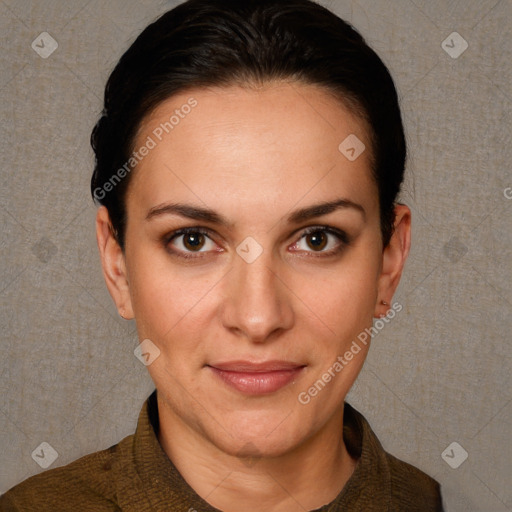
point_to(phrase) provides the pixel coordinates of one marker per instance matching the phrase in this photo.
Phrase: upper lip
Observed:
(249, 366)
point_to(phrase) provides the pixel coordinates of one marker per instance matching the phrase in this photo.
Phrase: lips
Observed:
(257, 378)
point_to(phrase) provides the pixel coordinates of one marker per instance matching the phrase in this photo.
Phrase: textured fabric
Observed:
(136, 475)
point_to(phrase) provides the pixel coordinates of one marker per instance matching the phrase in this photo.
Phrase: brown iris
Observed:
(193, 241)
(317, 240)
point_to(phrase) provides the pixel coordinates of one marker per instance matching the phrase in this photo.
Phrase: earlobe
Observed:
(393, 259)
(113, 264)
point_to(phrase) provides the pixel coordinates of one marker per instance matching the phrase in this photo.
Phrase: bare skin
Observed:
(254, 156)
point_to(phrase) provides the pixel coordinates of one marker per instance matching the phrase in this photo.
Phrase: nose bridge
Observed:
(256, 303)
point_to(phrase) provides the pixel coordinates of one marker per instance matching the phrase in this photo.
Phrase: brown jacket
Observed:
(136, 475)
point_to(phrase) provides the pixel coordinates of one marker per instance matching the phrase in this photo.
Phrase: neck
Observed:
(310, 476)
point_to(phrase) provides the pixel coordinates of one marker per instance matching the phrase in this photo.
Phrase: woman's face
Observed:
(278, 273)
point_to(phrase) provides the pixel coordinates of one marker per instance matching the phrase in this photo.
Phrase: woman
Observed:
(248, 162)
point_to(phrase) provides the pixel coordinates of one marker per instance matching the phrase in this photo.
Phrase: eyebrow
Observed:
(207, 215)
(320, 209)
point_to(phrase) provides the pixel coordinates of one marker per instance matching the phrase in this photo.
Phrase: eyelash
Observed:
(341, 235)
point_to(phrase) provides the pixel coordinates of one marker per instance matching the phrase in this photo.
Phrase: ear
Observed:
(393, 259)
(113, 264)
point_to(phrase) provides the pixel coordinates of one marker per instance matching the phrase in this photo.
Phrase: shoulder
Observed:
(90, 482)
(411, 488)
(397, 484)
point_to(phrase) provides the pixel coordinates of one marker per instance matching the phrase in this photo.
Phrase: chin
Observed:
(261, 437)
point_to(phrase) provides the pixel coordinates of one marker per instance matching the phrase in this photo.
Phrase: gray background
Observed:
(438, 373)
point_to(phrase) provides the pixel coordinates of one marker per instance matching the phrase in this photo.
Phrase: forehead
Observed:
(229, 143)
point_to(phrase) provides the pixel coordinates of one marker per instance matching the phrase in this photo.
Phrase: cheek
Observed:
(344, 298)
(338, 315)
(165, 297)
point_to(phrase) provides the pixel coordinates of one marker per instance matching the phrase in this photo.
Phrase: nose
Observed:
(257, 304)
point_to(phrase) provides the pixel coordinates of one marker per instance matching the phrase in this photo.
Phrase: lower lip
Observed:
(258, 383)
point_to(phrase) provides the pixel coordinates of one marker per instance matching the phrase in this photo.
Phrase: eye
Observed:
(323, 240)
(190, 240)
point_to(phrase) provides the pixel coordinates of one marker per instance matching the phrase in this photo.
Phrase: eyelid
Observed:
(167, 239)
(343, 240)
(342, 236)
